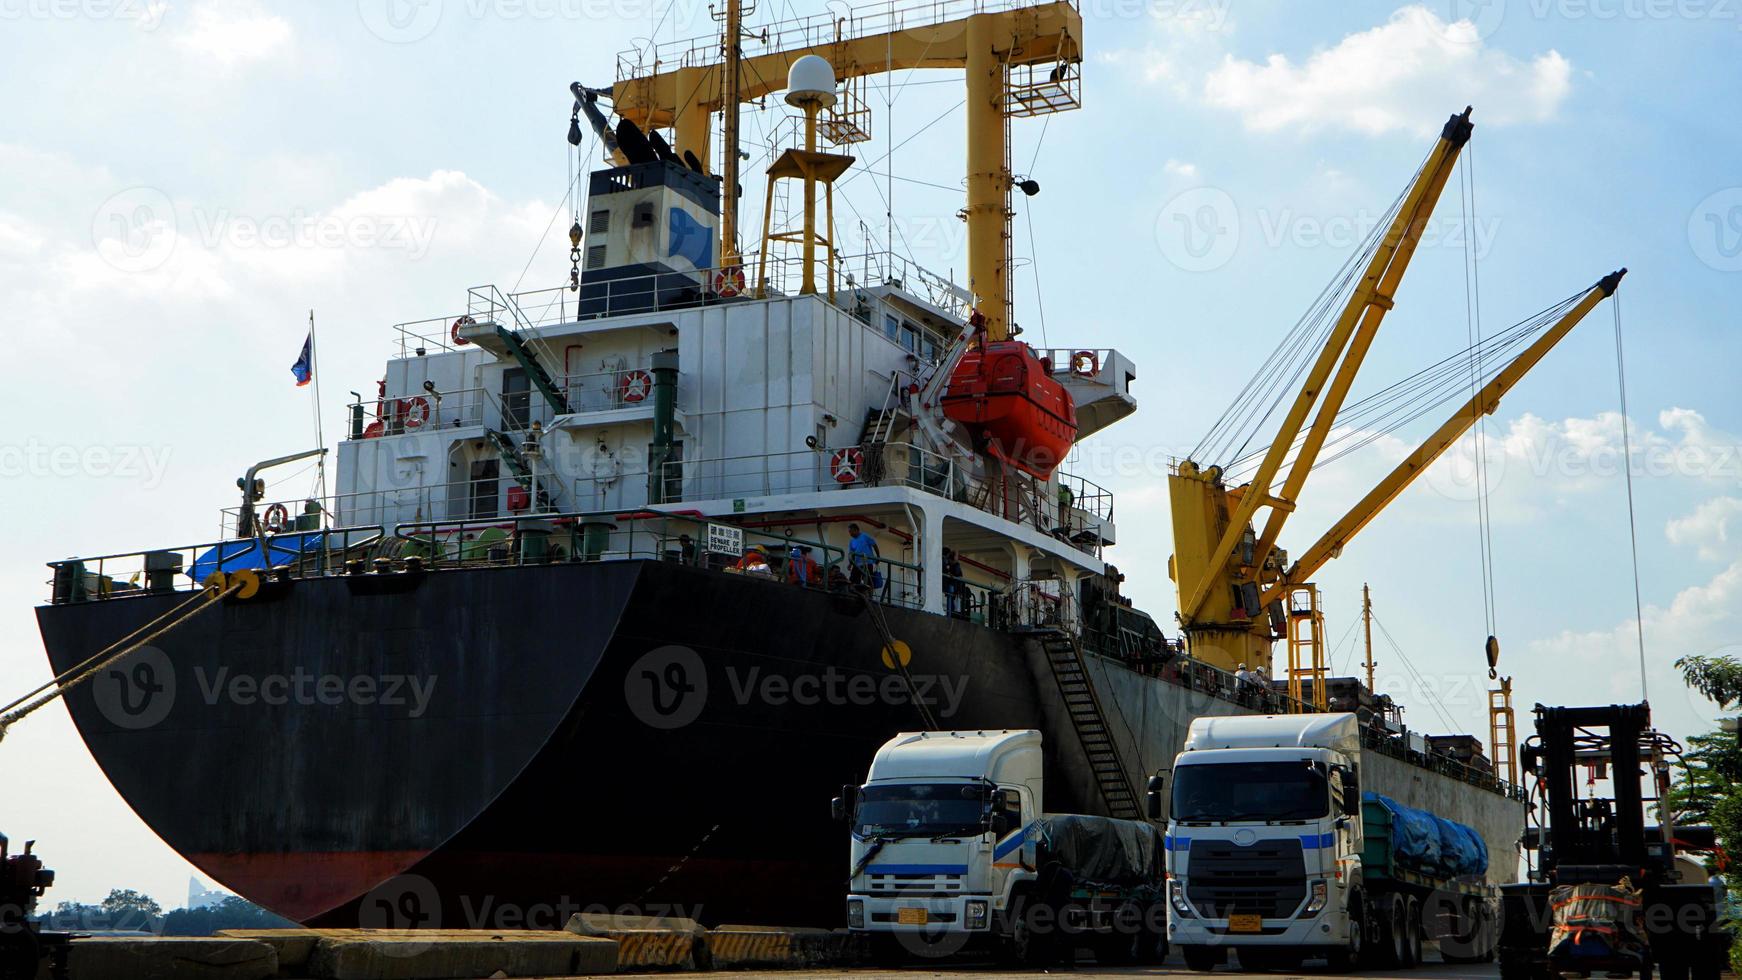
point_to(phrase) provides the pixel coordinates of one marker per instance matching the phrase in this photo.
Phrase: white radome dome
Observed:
(811, 79)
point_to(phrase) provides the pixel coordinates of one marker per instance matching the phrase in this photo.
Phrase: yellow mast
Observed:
(988, 46)
(733, 51)
(1367, 627)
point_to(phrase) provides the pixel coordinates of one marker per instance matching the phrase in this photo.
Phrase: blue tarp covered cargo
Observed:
(1416, 840)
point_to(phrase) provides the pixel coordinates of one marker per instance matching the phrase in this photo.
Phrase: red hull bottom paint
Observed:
(302, 885)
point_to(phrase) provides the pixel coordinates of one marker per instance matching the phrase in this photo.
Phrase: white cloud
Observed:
(229, 36)
(1179, 168)
(1707, 529)
(1405, 74)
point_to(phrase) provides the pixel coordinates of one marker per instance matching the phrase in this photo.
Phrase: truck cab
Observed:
(941, 832)
(1264, 840)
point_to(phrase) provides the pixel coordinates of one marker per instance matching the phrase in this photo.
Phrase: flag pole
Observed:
(320, 436)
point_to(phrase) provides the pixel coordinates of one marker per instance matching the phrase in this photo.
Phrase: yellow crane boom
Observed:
(1484, 402)
(1344, 351)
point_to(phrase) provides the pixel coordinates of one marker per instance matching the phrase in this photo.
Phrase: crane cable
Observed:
(91, 666)
(1632, 521)
(1473, 332)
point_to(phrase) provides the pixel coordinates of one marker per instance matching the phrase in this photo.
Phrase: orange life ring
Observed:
(635, 386)
(729, 281)
(276, 518)
(413, 412)
(845, 465)
(1085, 364)
(464, 321)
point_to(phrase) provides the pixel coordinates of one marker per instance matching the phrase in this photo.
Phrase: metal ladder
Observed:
(1065, 657)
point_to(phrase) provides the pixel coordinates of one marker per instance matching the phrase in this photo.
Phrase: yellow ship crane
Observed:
(1019, 60)
(1232, 579)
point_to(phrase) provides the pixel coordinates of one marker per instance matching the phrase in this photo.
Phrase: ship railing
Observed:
(830, 27)
(456, 500)
(185, 567)
(1088, 500)
(886, 464)
(1064, 360)
(427, 411)
(655, 292)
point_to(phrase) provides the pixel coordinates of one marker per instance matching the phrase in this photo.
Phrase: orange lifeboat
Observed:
(1016, 410)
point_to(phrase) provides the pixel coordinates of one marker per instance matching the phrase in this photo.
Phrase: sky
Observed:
(185, 181)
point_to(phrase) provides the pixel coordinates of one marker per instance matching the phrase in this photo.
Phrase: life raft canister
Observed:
(846, 464)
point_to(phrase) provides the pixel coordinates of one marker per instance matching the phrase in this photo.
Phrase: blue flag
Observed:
(304, 368)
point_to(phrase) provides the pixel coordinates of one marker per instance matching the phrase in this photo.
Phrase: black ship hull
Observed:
(499, 747)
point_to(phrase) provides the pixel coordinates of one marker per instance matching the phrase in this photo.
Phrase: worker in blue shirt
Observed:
(862, 557)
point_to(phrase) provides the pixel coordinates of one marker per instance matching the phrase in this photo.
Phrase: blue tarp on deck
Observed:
(280, 549)
(1432, 845)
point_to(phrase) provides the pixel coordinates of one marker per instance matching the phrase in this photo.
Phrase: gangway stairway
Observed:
(1065, 657)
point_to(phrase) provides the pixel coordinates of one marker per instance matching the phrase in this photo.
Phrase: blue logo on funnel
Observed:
(690, 239)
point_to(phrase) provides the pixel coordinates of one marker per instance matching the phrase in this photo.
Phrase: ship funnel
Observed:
(810, 81)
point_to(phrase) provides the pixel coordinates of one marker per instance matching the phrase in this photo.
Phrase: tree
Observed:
(129, 909)
(1718, 678)
(231, 913)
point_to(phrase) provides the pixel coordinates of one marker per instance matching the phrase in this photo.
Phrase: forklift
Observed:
(1608, 896)
(23, 944)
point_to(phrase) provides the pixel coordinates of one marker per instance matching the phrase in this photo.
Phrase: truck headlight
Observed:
(1316, 903)
(1176, 895)
(855, 915)
(974, 912)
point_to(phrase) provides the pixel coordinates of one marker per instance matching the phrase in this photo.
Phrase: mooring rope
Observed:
(95, 664)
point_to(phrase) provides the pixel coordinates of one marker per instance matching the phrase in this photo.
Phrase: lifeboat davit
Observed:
(1017, 411)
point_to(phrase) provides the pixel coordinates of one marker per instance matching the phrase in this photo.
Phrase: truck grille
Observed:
(1267, 878)
(896, 885)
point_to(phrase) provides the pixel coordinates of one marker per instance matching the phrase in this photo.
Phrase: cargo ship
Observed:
(623, 579)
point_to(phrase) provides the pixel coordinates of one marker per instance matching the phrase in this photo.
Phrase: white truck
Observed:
(950, 849)
(1273, 851)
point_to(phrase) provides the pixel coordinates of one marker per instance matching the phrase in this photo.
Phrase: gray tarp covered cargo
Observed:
(1102, 849)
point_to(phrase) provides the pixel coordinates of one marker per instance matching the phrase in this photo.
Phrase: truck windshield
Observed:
(920, 810)
(1249, 791)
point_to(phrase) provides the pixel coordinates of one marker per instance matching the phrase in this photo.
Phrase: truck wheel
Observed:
(1152, 935)
(1390, 939)
(1412, 932)
(1354, 954)
(1031, 944)
(1203, 959)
